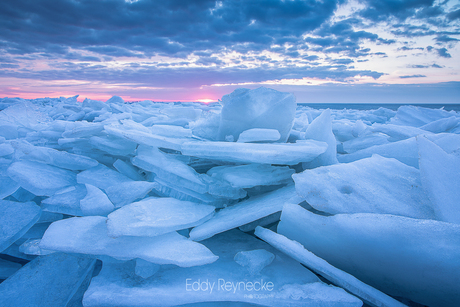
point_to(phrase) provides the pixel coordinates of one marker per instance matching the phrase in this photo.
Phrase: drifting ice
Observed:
(372, 193)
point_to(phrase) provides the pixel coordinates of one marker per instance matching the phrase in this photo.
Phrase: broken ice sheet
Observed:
(401, 256)
(440, 177)
(127, 192)
(50, 280)
(251, 175)
(244, 212)
(372, 185)
(156, 216)
(88, 235)
(8, 268)
(15, 220)
(40, 179)
(95, 202)
(172, 286)
(254, 260)
(259, 135)
(289, 154)
(102, 177)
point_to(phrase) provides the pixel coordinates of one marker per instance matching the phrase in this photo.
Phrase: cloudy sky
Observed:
(189, 50)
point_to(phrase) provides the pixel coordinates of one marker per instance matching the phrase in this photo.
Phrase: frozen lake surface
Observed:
(253, 201)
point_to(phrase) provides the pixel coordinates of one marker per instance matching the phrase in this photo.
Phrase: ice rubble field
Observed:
(191, 203)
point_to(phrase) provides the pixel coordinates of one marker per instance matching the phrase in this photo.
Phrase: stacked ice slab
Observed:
(167, 197)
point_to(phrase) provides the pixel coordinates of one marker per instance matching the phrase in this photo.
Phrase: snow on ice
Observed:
(370, 196)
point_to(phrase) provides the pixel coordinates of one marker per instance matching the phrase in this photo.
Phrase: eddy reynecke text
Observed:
(227, 286)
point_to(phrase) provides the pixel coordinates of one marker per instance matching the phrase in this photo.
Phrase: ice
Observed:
(82, 129)
(144, 138)
(32, 247)
(260, 108)
(156, 216)
(440, 175)
(187, 113)
(243, 212)
(113, 145)
(95, 202)
(128, 170)
(61, 159)
(8, 131)
(102, 177)
(442, 125)
(170, 131)
(173, 286)
(405, 151)
(65, 201)
(7, 186)
(168, 169)
(34, 232)
(289, 154)
(371, 185)
(294, 249)
(8, 268)
(88, 235)
(364, 142)
(40, 179)
(51, 280)
(254, 260)
(145, 269)
(259, 135)
(320, 129)
(6, 149)
(127, 192)
(16, 220)
(251, 175)
(401, 256)
(418, 116)
(397, 132)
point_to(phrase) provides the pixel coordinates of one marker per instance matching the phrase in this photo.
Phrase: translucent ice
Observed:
(65, 201)
(8, 186)
(95, 202)
(418, 116)
(128, 170)
(156, 216)
(127, 192)
(442, 125)
(372, 185)
(8, 268)
(243, 212)
(250, 175)
(145, 269)
(260, 108)
(254, 260)
(440, 174)
(173, 286)
(102, 177)
(88, 235)
(16, 219)
(40, 179)
(259, 135)
(50, 280)
(321, 130)
(401, 256)
(340, 278)
(289, 154)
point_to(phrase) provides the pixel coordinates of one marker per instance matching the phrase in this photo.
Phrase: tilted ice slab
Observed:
(371, 185)
(127, 192)
(442, 125)
(289, 154)
(156, 216)
(244, 212)
(8, 268)
(52, 156)
(440, 174)
(254, 260)
(95, 202)
(397, 132)
(259, 135)
(52, 280)
(40, 179)
(283, 282)
(340, 278)
(145, 138)
(320, 129)
(260, 108)
(102, 177)
(251, 175)
(65, 201)
(401, 256)
(168, 168)
(88, 235)
(419, 116)
(365, 141)
(15, 220)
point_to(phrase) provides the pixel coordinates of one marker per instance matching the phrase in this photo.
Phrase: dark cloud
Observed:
(442, 52)
(453, 15)
(381, 10)
(412, 76)
(445, 39)
(424, 66)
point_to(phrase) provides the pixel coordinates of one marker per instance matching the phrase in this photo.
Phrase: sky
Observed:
(374, 51)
